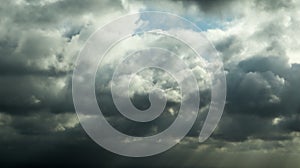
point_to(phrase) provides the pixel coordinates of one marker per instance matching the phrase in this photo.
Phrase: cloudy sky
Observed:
(256, 39)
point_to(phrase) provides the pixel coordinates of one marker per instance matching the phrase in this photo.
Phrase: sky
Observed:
(257, 41)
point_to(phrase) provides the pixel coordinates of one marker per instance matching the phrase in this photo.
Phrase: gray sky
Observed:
(257, 40)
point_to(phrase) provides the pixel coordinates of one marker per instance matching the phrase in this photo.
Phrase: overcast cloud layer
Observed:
(257, 40)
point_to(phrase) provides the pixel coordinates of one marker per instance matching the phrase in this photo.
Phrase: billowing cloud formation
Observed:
(258, 41)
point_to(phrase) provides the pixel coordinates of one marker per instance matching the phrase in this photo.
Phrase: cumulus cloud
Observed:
(257, 40)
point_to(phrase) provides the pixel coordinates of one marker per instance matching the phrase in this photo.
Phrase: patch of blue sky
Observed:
(154, 21)
(157, 21)
(208, 22)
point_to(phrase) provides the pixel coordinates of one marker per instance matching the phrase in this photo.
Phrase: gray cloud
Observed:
(39, 41)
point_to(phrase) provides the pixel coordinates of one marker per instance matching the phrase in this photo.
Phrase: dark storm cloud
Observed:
(261, 89)
(36, 56)
(26, 94)
(209, 5)
(38, 125)
(258, 92)
(274, 5)
(34, 34)
(32, 51)
(46, 13)
(262, 98)
(38, 43)
(213, 5)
